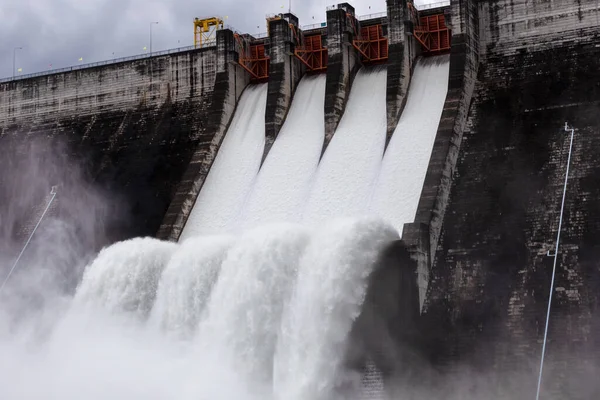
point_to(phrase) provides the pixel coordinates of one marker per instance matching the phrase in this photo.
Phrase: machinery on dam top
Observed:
(368, 36)
(205, 31)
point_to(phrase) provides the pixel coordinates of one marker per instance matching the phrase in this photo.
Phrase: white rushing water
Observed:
(328, 297)
(274, 320)
(187, 283)
(230, 179)
(350, 165)
(243, 308)
(293, 157)
(402, 174)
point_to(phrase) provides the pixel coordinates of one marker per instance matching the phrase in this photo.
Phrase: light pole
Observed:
(14, 58)
(151, 23)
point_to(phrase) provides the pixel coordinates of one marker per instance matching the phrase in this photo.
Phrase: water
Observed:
(243, 307)
(328, 297)
(294, 156)
(231, 177)
(398, 189)
(187, 283)
(350, 165)
(255, 335)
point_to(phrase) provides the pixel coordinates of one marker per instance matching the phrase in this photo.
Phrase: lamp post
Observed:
(14, 58)
(151, 23)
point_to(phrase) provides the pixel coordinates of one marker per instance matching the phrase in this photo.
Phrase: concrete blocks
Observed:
(285, 72)
(402, 50)
(343, 64)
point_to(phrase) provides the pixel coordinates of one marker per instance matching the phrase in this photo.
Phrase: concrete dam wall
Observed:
(136, 125)
(535, 66)
(149, 131)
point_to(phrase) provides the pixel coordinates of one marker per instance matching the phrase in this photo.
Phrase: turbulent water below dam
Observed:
(260, 296)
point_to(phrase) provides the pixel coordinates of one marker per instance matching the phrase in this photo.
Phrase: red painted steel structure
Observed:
(312, 53)
(253, 59)
(433, 34)
(371, 44)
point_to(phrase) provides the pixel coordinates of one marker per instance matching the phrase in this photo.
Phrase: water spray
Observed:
(53, 194)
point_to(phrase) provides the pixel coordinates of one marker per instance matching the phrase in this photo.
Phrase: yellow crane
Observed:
(205, 31)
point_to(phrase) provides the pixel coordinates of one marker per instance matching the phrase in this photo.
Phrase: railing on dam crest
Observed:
(100, 63)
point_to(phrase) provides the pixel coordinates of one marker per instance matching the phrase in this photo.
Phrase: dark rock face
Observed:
(486, 305)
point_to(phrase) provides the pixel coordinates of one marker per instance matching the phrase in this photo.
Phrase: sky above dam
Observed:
(60, 33)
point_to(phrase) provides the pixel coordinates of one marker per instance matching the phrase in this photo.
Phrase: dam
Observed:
(364, 208)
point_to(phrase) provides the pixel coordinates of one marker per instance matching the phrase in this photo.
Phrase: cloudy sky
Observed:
(56, 33)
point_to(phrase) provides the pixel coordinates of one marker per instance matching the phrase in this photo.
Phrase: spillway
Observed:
(351, 163)
(244, 306)
(261, 316)
(294, 155)
(230, 179)
(398, 189)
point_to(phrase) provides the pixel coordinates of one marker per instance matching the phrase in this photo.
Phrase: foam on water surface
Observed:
(284, 181)
(219, 204)
(398, 189)
(350, 165)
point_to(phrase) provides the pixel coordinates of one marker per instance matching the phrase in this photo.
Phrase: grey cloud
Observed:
(59, 32)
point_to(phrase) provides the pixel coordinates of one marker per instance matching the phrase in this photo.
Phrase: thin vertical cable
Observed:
(53, 193)
(562, 207)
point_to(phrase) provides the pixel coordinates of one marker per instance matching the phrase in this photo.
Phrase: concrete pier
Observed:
(285, 72)
(342, 67)
(402, 51)
(464, 63)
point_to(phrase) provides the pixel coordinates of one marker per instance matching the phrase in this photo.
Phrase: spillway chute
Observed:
(219, 204)
(349, 167)
(400, 182)
(294, 155)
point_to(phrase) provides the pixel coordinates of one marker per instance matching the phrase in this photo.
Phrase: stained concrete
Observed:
(485, 309)
(285, 72)
(230, 81)
(342, 66)
(402, 51)
(464, 64)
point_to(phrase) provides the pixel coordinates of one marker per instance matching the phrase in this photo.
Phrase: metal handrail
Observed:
(372, 16)
(433, 5)
(106, 62)
(314, 26)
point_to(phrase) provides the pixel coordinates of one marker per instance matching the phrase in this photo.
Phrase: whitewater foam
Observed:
(351, 163)
(284, 181)
(327, 298)
(219, 204)
(245, 309)
(187, 283)
(277, 318)
(398, 189)
(124, 277)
